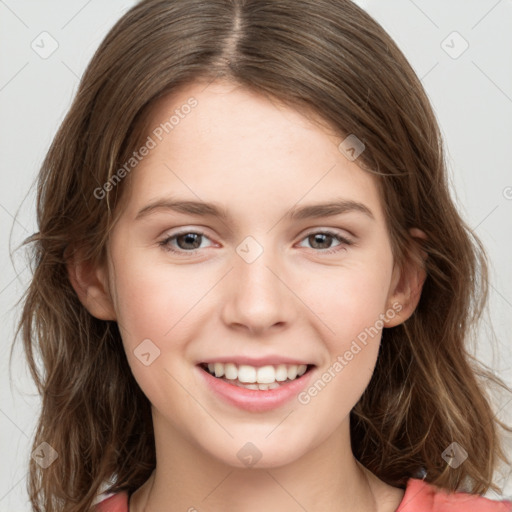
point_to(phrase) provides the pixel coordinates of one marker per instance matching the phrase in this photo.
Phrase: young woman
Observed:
(252, 289)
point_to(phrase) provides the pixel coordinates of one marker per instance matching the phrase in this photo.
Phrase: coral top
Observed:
(419, 496)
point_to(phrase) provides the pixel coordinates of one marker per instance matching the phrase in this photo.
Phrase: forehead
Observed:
(220, 142)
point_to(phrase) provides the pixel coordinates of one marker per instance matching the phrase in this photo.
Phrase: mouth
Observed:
(260, 378)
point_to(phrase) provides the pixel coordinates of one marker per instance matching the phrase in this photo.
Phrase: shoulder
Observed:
(115, 503)
(420, 495)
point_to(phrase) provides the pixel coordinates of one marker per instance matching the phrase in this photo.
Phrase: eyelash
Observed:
(343, 242)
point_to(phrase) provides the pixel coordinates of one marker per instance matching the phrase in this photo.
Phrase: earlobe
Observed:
(91, 286)
(407, 281)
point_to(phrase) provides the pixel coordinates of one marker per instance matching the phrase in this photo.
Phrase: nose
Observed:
(257, 296)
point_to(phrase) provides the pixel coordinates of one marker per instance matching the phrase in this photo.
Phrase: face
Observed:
(269, 283)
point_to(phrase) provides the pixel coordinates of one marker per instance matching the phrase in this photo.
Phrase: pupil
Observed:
(192, 235)
(318, 238)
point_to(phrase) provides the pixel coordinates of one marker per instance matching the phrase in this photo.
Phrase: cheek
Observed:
(351, 315)
(165, 304)
(152, 295)
(351, 306)
(154, 306)
(155, 300)
(350, 299)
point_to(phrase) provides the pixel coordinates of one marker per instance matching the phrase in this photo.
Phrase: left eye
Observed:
(323, 237)
(190, 241)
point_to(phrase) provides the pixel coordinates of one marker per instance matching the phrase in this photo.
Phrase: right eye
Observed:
(183, 238)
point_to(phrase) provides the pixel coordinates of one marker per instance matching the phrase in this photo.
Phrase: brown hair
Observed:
(328, 57)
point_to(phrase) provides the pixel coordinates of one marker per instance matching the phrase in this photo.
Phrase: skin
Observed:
(258, 159)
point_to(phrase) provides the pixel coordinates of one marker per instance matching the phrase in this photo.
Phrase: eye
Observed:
(185, 240)
(323, 238)
(189, 242)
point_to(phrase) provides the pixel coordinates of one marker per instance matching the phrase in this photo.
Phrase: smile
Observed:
(254, 377)
(255, 388)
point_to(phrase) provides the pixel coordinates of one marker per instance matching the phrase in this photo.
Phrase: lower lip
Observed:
(254, 400)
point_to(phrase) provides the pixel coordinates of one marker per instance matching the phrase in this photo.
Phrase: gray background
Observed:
(471, 92)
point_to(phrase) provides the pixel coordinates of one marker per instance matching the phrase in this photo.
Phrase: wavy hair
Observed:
(323, 57)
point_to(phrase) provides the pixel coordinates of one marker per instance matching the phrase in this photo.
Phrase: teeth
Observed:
(263, 377)
(247, 374)
(281, 373)
(292, 372)
(261, 387)
(219, 369)
(230, 371)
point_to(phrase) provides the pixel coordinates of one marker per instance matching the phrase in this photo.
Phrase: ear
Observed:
(91, 285)
(407, 282)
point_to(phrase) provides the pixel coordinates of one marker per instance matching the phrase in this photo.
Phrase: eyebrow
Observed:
(203, 209)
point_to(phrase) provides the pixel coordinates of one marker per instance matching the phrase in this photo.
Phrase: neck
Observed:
(327, 478)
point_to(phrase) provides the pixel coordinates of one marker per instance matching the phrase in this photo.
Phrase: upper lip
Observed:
(256, 361)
